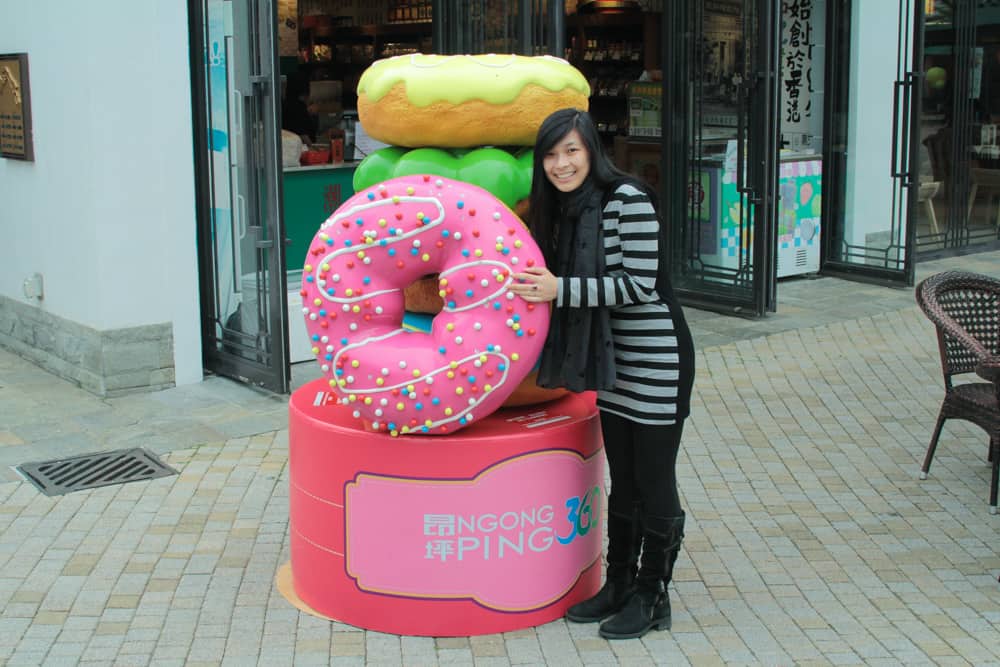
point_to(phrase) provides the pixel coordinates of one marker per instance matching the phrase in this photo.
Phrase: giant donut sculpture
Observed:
(482, 344)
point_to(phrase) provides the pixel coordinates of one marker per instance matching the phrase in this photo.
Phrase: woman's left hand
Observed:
(535, 285)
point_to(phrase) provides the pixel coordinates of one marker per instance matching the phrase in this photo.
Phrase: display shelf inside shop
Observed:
(612, 50)
(342, 53)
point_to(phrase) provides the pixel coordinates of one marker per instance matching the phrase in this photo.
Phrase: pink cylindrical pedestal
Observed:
(494, 528)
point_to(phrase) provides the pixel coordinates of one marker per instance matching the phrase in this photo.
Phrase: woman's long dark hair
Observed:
(543, 214)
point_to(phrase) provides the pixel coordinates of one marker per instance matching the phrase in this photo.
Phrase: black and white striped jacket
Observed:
(648, 360)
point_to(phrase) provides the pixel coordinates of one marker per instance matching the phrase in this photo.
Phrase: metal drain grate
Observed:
(89, 471)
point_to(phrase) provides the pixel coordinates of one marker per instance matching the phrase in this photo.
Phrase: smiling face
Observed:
(567, 163)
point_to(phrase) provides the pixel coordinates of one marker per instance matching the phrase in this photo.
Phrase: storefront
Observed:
(791, 144)
(266, 188)
(740, 157)
(804, 136)
(834, 136)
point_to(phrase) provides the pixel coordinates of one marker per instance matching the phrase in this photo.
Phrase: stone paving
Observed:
(810, 538)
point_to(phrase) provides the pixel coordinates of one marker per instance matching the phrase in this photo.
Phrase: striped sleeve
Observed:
(631, 231)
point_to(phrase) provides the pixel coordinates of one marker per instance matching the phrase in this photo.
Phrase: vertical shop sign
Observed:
(796, 66)
(15, 108)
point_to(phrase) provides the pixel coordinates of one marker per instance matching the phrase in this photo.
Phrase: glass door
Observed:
(720, 122)
(959, 179)
(234, 66)
(871, 158)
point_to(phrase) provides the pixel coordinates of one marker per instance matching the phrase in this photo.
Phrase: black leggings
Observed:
(642, 460)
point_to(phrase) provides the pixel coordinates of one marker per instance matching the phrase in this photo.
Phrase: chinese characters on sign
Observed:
(801, 74)
(15, 110)
(797, 59)
(331, 198)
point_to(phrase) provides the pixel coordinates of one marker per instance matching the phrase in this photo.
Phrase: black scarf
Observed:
(579, 352)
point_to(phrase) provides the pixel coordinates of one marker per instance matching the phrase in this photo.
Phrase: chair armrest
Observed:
(989, 369)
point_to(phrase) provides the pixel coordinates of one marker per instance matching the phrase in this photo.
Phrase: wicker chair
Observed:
(965, 308)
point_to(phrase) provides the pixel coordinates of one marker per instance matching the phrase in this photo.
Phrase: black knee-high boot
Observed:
(624, 542)
(649, 606)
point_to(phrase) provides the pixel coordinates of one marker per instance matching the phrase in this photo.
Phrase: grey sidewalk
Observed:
(810, 539)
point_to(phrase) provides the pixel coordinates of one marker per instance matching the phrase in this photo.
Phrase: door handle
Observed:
(241, 218)
(236, 148)
(901, 91)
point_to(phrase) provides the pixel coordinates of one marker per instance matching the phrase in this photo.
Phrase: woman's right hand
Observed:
(535, 284)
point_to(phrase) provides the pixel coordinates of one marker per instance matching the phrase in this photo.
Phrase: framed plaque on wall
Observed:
(15, 108)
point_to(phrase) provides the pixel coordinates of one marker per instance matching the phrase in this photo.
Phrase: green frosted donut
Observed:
(497, 171)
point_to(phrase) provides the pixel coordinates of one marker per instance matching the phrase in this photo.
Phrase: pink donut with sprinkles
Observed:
(481, 345)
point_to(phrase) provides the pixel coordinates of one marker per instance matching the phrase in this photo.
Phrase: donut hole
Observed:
(422, 295)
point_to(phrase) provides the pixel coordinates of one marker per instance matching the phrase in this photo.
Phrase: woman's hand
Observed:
(535, 284)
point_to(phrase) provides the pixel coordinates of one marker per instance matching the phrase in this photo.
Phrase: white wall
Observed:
(873, 71)
(106, 212)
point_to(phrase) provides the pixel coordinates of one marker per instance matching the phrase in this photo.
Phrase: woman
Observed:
(616, 328)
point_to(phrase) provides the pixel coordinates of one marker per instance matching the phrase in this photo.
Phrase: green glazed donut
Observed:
(506, 177)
